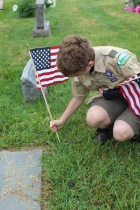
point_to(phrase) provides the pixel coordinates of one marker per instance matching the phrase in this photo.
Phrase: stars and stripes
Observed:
(131, 91)
(45, 63)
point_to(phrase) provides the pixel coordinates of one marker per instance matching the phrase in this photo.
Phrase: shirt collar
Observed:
(98, 62)
(92, 69)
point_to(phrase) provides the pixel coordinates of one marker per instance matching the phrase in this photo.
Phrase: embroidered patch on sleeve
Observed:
(130, 65)
(109, 74)
(123, 58)
(114, 80)
(129, 68)
(112, 53)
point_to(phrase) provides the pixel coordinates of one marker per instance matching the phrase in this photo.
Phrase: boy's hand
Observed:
(102, 89)
(55, 125)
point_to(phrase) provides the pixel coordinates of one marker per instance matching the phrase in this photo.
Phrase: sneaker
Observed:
(135, 139)
(102, 138)
(104, 135)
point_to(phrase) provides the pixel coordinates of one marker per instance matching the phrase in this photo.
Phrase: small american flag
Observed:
(45, 63)
(131, 91)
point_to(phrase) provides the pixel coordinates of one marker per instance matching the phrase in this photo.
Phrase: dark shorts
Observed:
(118, 109)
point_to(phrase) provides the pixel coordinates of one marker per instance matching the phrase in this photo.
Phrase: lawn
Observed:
(78, 173)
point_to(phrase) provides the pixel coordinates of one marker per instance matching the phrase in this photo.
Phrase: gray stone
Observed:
(40, 16)
(1, 4)
(46, 32)
(131, 4)
(42, 28)
(20, 185)
(29, 85)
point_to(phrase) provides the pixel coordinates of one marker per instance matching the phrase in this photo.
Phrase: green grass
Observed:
(78, 174)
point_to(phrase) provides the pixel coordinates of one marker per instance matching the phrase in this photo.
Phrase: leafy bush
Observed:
(136, 2)
(26, 8)
(48, 3)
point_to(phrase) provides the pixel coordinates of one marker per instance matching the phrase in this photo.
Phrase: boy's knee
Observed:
(122, 131)
(90, 118)
(94, 117)
(120, 134)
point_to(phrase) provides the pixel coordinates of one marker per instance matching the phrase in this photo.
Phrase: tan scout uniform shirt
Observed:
(107, 72)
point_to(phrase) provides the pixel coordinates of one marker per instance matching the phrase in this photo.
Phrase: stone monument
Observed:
(20, 185)
(131, 4)
(29, 84)
(1, 4)
(42, 27)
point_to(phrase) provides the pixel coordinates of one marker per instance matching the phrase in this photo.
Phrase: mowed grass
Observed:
(78, 173)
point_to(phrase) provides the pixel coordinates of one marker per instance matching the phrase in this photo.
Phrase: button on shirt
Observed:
(107, 72)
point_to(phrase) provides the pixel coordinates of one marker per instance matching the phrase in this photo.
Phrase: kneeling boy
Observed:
(98, 68)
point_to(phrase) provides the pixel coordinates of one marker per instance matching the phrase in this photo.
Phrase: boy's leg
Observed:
(98, 117)
(126, 126)
(104, 112)
(122, 131)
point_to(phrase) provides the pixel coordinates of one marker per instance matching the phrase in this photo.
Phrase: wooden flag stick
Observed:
(41, 88)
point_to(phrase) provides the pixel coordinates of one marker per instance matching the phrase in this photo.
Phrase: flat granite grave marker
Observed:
(20, 186)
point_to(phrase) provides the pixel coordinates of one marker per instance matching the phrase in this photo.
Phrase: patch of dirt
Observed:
(115, 14)
(86, 21)
(27, 148)
(21, 57)
(74, 9)
(3, 24)
(46, 191)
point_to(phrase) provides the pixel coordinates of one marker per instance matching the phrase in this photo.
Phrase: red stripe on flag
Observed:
(131, 101)
(133, 98)
(53, 66)
(55, 47)
(127, 97)
(51, 78)
(48, 73)
(52, 54)
(53, 60)
(138, 96)
(51, 83)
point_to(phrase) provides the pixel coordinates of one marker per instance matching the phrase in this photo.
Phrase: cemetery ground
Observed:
(78, 173)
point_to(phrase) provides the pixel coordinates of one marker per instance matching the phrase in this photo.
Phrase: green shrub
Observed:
(47, 3)
(26, 8)
(136, 2)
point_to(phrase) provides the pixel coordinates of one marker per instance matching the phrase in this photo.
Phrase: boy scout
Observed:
(99, 68)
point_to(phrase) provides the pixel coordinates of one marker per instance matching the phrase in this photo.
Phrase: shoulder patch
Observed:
(123, 58)
(112, 53)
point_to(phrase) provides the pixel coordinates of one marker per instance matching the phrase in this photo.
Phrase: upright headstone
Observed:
(40, 15)
(1, 4)
(29, 84)
(131, 4)
(42, 27)
(20, 185)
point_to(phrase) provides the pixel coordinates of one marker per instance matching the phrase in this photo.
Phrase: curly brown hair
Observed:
(74, 54)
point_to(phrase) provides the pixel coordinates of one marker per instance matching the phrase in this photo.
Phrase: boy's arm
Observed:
(110, 93)
(72, 107)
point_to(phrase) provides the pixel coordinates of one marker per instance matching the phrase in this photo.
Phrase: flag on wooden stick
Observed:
(45, 63)
(130, 89)
(40, 65)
